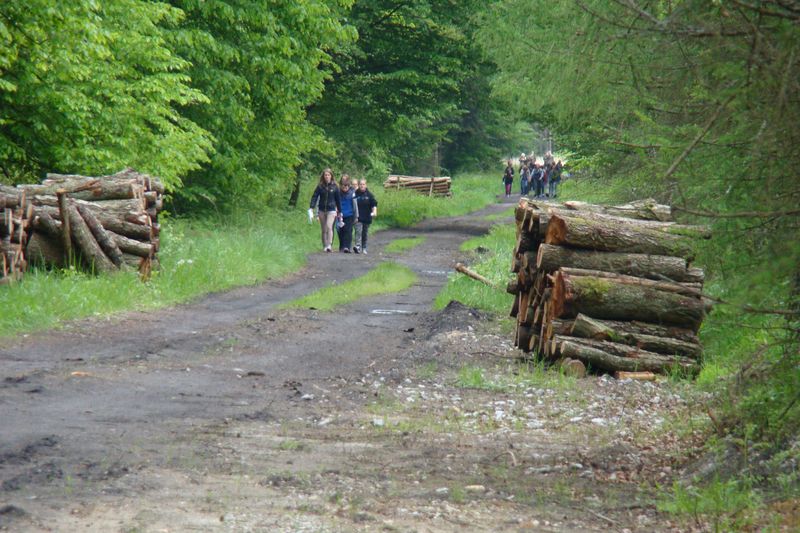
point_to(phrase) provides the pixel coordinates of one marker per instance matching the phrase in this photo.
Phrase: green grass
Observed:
(494, 265)
(730, 505)
(385, 278)
(403, 245)
(212, 254)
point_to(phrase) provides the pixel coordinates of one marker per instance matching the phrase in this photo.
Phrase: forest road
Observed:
(227, 414)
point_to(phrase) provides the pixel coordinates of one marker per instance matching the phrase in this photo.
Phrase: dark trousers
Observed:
(346, 233)
(362, 229)
(539, 188)
(523, 187)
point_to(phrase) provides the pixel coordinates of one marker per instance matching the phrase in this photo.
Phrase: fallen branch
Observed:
(460, 267)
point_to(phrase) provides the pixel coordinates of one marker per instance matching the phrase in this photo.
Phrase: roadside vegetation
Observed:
(403, 245)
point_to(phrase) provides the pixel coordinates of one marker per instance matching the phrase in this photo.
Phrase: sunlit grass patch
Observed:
(385, 278)
(403, 245)
(501, 215)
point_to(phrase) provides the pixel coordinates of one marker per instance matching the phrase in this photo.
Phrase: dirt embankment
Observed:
(226, 415)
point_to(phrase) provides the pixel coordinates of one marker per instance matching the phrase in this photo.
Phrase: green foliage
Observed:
(693, 103)
(385, 278)
(721, 505)
(403, 245)
(471, 377)
(260, 66)
(92, 87)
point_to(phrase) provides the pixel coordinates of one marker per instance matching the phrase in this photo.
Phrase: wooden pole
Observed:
(66, 238)
(474, 275)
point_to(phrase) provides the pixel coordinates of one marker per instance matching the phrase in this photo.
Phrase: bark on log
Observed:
(46, 250)
(103, 238)
(647, 209)
(695, 231)
(638, 376)
(686, 289)
(608, 299)
(590, 328)
(132, 246)
(589, 234)
(658, 267)
(599, 356)
(109, 222)
(66, 223)
(90, 249)
(122, 209)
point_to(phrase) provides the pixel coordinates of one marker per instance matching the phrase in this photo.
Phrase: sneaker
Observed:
(357, 250)
(346, 250)
(364, 251)
(328, 249)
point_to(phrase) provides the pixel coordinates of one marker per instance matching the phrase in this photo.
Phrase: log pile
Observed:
(426, 186)
(612, 287)
(105, 223)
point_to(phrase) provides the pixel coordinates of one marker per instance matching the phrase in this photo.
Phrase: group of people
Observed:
(349, 205)
(540, 178)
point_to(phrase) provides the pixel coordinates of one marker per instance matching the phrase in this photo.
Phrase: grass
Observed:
(403, 245)
(385, 278)
(216, 253)
(494, 265)
(730, 505)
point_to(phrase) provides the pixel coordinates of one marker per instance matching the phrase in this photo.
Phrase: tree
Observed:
(92, 87)
(260, 66)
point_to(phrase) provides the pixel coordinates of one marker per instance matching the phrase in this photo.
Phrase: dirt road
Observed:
(227, 415)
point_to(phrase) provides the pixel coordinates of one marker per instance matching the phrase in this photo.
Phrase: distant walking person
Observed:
(508, 178)
(524, 179)
(367, 209)
(537, 179)
(555, 179)
(349, 211)
(327, 200)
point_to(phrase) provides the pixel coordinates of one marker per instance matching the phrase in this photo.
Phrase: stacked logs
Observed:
(427, 186)
(106, 223)
(611, 287)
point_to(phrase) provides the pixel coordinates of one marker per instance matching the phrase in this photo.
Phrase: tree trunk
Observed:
(90, 249)
(642, 209)
(608, 298)
(45, 249)
(66, 224)
(102, 237)
(132, 246)
(593, 235)
(686, 289)
(109, 222)
(590, 328)
(658, 267)
(599, 354)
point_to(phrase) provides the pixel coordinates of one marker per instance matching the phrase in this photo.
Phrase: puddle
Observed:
(390, 312)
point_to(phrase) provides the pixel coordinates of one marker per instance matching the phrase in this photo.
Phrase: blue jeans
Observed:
(523, 187)
(551, 188)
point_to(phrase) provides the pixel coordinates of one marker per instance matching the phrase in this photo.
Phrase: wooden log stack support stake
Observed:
(105, 223)
(426, 186)
(612, 287)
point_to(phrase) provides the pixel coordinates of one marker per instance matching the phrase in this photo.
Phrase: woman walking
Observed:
(328, 202)
(367, 209)
(349, 212)
(508, 178)
(524, 179)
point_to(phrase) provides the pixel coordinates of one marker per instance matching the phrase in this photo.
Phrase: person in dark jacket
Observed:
(349, 214)
(555, 179)
(329, 204)
(367, 209)
(508, 177)
(524, 179)
(537, 178)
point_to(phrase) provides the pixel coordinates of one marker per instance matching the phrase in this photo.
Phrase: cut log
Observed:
(45, 249)
(90, 250)
(687, 289)
(659, 267)
(647, 209)
(591, 328)
(598, 354)
(66, 223)
(512, 287)
(638, 376)
(110, 222)
(460, 267)
(122, 209)
(102, 237)
(590, 234)
(608, 299)
(524, 337)
(696, 231)
(132, 246)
